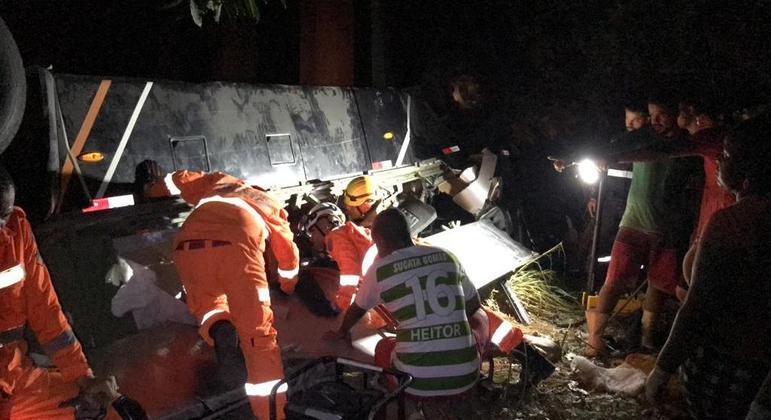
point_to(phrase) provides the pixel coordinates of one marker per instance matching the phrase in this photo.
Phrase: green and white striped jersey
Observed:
(425, 290)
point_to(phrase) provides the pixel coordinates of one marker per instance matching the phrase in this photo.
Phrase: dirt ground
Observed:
(558, 397)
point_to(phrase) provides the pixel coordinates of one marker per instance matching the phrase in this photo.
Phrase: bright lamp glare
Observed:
(588, 171)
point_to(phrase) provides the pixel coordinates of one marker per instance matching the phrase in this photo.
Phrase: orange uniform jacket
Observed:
(230, 211)
(347, 245)
(224, 192)
(27, 297)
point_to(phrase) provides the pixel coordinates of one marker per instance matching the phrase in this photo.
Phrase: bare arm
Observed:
(472, 305)
(764, 394)
(709, 271)
(645, 146)
(676, 150)
(352, 316)
(366, 299)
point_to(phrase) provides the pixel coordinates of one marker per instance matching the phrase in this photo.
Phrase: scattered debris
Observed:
(555, 314)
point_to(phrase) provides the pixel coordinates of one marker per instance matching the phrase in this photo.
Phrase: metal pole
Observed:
(591, 272)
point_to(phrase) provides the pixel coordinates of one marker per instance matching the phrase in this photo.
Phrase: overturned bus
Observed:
(74, 162)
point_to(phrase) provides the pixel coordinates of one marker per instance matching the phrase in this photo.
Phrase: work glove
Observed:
(96, 394)
(656, 384)
(344, 297)
(288, 285)
(102, 389)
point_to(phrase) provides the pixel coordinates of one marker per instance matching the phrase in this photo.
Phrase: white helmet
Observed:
(320, 210)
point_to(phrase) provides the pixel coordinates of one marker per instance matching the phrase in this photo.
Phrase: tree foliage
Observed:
(231, 10)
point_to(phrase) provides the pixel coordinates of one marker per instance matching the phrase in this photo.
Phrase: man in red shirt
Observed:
(721, 339)
(698, 116)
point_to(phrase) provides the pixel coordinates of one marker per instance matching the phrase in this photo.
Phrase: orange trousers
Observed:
(229, 282)
(37, 395)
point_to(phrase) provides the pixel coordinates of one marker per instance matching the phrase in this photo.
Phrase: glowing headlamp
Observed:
(588, 171)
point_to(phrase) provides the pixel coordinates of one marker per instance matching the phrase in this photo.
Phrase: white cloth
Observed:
(623, 379)
(148, 304)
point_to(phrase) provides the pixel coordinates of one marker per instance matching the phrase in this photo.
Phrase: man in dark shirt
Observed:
(722, 334)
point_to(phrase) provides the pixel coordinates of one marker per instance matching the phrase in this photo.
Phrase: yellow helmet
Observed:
(359, 190)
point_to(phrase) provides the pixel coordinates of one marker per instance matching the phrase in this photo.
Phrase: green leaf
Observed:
(252, 10)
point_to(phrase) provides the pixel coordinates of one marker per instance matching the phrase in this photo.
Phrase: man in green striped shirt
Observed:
(426, 291)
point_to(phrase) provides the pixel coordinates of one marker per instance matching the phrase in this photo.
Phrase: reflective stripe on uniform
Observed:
(349, 280)
(354, 363)
(501, 332)
(12, 276)
(263, 294)
(369, 259)
(210, 314)
(63, 340)
(263, 389)
(288, 274)
(11, 335)
(619, 173)
(321, 415)
(238, 202)
(170, 185)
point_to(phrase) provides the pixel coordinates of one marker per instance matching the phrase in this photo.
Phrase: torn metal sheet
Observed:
(486, 252)
(473, 197)
(383, 118)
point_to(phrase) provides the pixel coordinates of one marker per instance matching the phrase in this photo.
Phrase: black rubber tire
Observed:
(13, 87)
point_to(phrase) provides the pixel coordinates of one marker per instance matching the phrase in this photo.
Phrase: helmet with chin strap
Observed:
(321, 210)
(360, 190)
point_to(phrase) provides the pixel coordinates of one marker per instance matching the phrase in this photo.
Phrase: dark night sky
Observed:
(139, 38)
(580, 56)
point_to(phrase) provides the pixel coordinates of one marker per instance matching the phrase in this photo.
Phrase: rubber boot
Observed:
(648, 331)
(231, 367)
(595, 325)
(535, 367)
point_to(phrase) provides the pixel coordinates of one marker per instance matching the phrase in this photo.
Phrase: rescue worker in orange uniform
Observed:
(219, 257)
(28, 299)
(349, 243)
